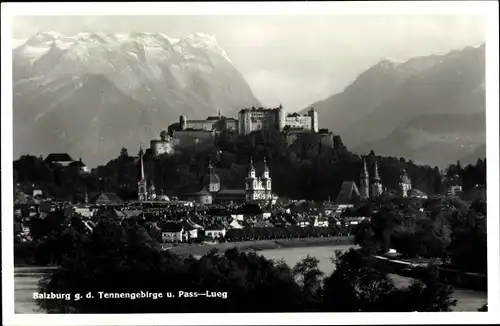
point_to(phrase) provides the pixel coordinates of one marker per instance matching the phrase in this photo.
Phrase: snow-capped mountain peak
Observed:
(41, 43)
(117, 89)
(204, 41)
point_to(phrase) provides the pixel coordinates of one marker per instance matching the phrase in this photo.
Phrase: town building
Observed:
(215, 231)
(258, 188)
(107, 198)
(348, 195)
(201, 197)
(151, 192)
(172, 232)
(163, 145)
(254, 119)
(193, 140)
(82, 167)
(214, 123)
(416, 193)
(453, 185)
(59, 158)
(404, 184)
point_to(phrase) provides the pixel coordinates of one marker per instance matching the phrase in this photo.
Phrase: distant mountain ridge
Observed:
(92, 93)
(414, 108)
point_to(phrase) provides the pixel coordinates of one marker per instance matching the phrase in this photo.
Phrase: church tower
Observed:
(142, 185)
(377, 182)
(266, 181)
(250, 182)
(152, 192)
(404, 184)
(364, 190)
(211, 181)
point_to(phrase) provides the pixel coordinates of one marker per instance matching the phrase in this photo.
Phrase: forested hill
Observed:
(308, 169)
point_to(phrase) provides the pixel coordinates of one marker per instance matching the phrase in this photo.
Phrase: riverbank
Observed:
(456, 278)
(258, 245)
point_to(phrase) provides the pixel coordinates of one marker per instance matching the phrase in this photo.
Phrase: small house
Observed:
(172, 232)
(215, 231)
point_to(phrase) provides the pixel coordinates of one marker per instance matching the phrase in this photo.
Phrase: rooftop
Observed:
(58, 157)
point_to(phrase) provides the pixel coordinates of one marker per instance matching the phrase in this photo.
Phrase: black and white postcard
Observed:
(250, 163)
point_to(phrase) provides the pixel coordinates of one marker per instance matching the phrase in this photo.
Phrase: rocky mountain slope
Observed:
(429, 109)
(92, 93)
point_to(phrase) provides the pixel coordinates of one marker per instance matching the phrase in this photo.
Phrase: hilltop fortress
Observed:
(275, 119)
(254, 119)
(197, 133)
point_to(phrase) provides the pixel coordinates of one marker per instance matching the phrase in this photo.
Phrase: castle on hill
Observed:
(200, 133)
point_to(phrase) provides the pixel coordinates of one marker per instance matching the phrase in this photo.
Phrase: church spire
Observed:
(266, 169)
(141, 154)
(376, 176)
(251, 168)
(364, 174)
(364, 190)
(377, 182)
(142, 185)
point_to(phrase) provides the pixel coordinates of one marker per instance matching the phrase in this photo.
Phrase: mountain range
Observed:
(428, 109)
(92, 93)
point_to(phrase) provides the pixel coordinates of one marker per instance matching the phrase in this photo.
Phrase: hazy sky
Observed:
(293, 60)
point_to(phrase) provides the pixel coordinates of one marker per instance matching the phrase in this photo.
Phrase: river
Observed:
(26, 278)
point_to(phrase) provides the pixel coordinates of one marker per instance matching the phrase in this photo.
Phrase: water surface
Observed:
(26, 278)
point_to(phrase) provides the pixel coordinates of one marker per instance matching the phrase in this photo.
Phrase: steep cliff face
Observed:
(405, 108)
(92, 93)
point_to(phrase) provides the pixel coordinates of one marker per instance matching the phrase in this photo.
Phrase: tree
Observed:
(355, 285)
(114, 253)
(426, 295)
(359, 285)
(303, 170)
(308, 275)
(123, 152)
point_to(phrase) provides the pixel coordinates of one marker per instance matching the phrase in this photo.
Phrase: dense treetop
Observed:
(307, 169)
(118, 258)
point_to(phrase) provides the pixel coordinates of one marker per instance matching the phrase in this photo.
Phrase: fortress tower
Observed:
(314, 120)
(281, 118)
(183, 122)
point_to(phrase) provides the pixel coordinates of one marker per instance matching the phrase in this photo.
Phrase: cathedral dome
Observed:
(210, 178)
